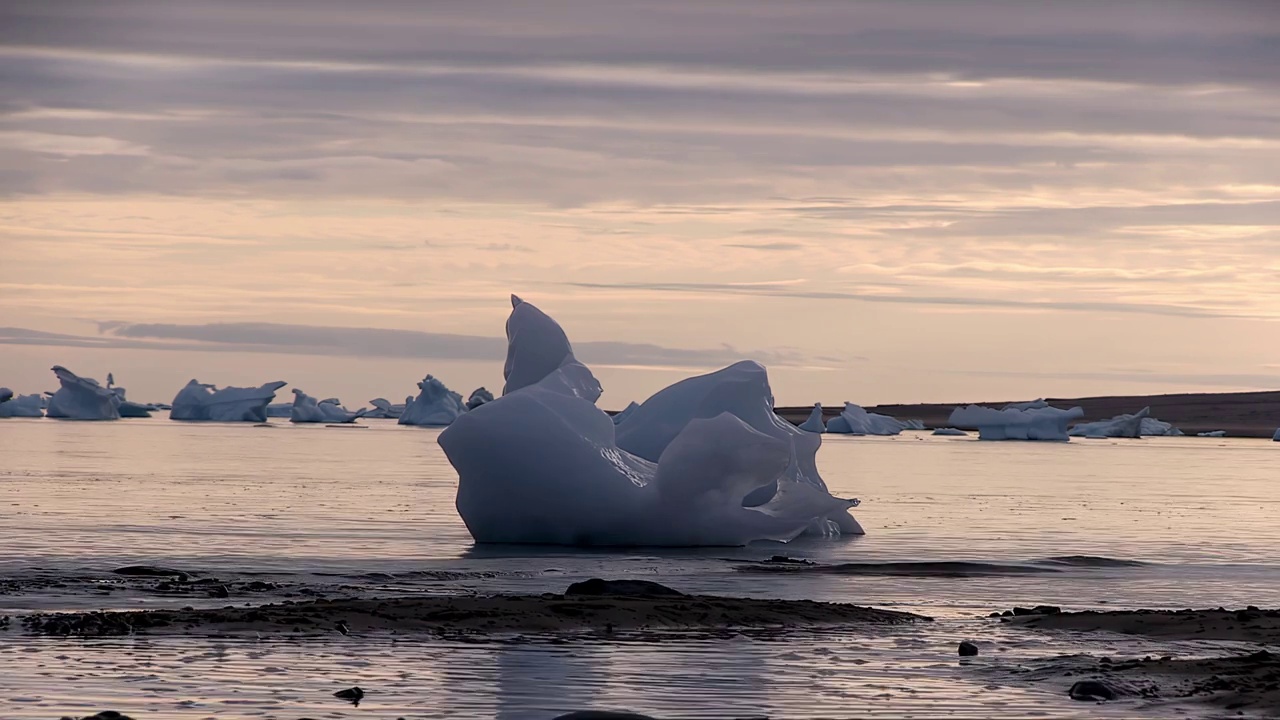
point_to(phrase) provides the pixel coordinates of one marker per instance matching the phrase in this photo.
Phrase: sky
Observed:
(881, 201)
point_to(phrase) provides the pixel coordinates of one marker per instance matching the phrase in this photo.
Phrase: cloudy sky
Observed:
(882, 201)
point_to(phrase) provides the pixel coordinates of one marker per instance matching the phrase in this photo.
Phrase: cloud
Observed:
(377, 342)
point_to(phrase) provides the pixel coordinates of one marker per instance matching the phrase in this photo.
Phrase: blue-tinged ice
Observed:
(543, 464)
(307, 409)
(951, 432)
(478, 397)
(1012, 423)
(854, 420)
(203, 401)
(435, 405)
(814, 423)
(625, 413)
(1139, 424)
(29, 406)
(82, 398)
(1212, 434)
(1276, 437)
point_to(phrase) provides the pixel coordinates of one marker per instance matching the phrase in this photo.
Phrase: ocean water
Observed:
(1160, 522)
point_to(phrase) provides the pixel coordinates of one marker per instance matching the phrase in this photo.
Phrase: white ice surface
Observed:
(1120, 426)
(542, 464)
(21, 406)
(853, 419)
(1039, 423)
(435, 405)
(307, 409)
(813, 423)
(82, 398)
(203, 401)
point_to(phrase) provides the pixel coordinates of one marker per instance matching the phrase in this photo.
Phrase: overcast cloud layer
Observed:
(1038, 199)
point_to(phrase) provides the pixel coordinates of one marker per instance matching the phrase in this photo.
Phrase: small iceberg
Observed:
(625, 412)
(854, 420)
(82, 398)
(951, 432)
(1120, 426)
(28, 406)
(1033, 422)
(813, 423)
(383, 408)
(436, 405)
(128, 408)
(307, 409)
(703, 462)
(479, 396)
(1275, 437)
(1212, 433)
(198, 401)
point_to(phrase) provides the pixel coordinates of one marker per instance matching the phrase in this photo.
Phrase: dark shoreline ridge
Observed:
(1240, 414)
(592, 605)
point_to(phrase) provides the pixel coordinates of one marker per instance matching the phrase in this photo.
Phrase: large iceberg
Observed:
(82, 398)
(435, 405)
(813, 423)
(479, 396)
(543, 464)
(20, 405)
(857, 421)
(1120, 426)
(307, 409)
(1012, 423)
(202, 401)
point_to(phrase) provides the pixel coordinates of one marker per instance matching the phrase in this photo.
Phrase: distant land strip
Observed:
(1239, 414)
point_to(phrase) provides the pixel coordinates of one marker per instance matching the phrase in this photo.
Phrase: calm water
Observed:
(372, 510)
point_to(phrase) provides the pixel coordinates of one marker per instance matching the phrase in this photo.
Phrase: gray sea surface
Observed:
(956, 528)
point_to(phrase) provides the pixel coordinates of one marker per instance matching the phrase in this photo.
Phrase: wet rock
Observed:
(1023, 611)
(1091, 691)
(104, 715)
(354, 694)
(150, 571)
(968, 649)
(627, 588)
(1046, 610)
(783, 559)
(219, 591)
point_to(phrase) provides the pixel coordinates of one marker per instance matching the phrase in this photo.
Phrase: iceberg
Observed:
(1120, 426)
(703, 462)
(279, 410)
(201, 401)
(82, 398)
(1037, 404)
(1212, 433)
(435, 405)
(128, 408)
(853, 420)
(20, 405)
(952, 432)
(1011, 423)
(383, 408)
(307, 409)
(625, 413)
(1276, 437)
(479, 396)
(813, 423)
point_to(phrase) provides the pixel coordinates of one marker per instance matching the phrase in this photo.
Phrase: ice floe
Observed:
(854, 420)
(435, 405)
(29, 406)
(1120, 426)
(1212, 434)
(307, 409)
(952, 432)
(1030, 422)
(703, 462)
(203, 401)
(82, 398)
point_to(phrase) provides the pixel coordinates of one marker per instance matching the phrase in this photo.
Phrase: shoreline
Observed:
(1239, 414)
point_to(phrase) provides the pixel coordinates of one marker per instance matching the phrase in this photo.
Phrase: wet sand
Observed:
(475, 615)
(1243, 682)
(1249, 625)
